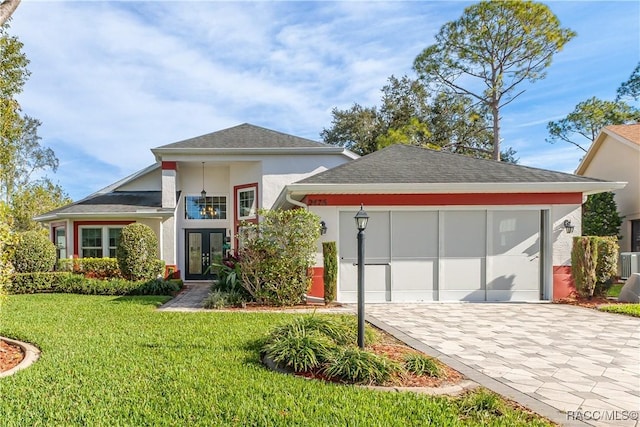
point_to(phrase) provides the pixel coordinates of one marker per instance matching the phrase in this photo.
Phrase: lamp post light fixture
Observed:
(361, 223)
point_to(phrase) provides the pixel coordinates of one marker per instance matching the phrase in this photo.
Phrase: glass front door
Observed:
(204, 247)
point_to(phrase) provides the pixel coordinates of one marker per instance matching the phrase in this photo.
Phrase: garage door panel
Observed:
(377, 237)
(414, 234)
(501, 296)
(514, 233)
(462, 295)
(414, 275)
(376, 280)
(513, 273)
(463, 234)
(462, 274)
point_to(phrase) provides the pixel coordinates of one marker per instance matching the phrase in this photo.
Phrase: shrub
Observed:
(97, 268)
(420, 364)
(138, 253)
(600, 215)
(29, 283)
(330, 275)
(594, 261)
(357, 366)
(222, 299)
(33, 252)
(299, 348)
(6, 254)
(276, 255)
(229, 278)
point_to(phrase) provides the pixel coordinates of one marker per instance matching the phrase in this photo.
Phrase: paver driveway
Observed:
(580, 362)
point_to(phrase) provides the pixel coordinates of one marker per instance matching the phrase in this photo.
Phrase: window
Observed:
(210, 207)
(95, 242)
(60, 240)
(247, 203)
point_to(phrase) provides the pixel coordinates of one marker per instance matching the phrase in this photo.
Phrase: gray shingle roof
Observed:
(409, 164)
(245, 136)
(114, 202)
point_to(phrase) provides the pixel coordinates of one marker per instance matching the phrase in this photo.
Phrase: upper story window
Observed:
(98, 242)
(209, 207)
(247, 203)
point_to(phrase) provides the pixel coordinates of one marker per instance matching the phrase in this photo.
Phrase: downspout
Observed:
(295, 202)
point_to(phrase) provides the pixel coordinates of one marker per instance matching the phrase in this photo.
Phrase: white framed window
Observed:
(247, 203)
(99, 242)
(209, 207)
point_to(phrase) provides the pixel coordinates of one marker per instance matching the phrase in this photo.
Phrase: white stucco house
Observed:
(615, 156)
(443, 226)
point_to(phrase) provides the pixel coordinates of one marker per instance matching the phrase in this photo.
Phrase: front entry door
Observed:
(203, 248)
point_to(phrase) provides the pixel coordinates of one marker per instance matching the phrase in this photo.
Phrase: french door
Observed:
(204, 247)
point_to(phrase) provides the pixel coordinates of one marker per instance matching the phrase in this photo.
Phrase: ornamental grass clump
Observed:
(353, 365)
(420, 364)
(299, 348)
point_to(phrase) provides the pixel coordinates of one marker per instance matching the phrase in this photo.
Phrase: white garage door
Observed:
(452, 255)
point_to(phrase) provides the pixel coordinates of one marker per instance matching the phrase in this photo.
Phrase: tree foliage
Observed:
(493, 48)
(630, 88)
(594, 262)
(410, 114)
(24, 188)
(588, 118)
(276, 255)
(600, 215)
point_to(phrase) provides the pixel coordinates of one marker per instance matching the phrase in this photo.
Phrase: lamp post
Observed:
(361, 223)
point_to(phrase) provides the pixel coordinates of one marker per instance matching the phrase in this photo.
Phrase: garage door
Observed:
(455, 255)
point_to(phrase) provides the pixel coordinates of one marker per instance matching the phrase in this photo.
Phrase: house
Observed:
(615, 156)
(442, 227)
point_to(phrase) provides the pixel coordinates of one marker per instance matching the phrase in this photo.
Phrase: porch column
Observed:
(169, 184)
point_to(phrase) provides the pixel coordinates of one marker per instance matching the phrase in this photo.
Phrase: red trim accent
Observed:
(236, 220)
(563, 285)
(443, 199)
(317, 283)
(76, 234)
(170, 166)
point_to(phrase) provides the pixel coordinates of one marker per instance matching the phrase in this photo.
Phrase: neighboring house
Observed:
(615, 156)
(442, 227)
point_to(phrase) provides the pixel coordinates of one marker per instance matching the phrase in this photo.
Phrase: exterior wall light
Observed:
(568, 226)
(323, 228)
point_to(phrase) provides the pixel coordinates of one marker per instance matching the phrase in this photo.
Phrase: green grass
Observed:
(614, 290)
(628, 309)
(117, 361)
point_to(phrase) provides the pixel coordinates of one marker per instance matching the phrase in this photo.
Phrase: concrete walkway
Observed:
(190, 298)
(574, 365)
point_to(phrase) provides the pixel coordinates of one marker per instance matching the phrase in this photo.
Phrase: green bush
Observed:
(33, 252)
(6, 254)
(420, 364)
(67, 282)
(594, 262)
(299, 348)
(330, 274)
(357, 366)
(276, 256)
(138, 253)
(97, 268)
(223, 299)
(600, 215)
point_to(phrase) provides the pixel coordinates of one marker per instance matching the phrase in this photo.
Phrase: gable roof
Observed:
(625, 134)
(403, 169)
(116, 203)
(245, 136)
(414, 165)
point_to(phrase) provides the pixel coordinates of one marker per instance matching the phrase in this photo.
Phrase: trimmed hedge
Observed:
(96, 268)
(330, 274)
(594, 262)
(138, 253)
(66, 282)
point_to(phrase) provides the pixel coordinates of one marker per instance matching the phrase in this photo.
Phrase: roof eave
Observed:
(151, 213)
(160, 152)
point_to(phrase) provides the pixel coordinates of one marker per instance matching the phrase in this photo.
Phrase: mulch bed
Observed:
(10, 355)
(593, 302)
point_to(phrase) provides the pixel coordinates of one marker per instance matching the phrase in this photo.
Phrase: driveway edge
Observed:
(492, 384)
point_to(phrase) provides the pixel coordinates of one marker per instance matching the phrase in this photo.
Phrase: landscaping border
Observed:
(31, 355)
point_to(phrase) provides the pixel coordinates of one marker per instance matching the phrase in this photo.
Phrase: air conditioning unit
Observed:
(629, 264)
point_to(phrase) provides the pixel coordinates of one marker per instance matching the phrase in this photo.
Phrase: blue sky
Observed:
(111, 80)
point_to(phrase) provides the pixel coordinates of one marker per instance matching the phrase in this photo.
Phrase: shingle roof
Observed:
(408, 164)
(114, 202)
(630, 132)
(245, 136)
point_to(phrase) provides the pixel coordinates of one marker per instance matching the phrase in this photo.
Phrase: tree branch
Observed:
(7, 7)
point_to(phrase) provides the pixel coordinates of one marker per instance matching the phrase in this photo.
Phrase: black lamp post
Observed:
(361, 223)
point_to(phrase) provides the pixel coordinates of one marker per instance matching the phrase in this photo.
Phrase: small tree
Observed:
(600, 215)
(276, 255)
(33, 253)
(138, 253)
(330, 274)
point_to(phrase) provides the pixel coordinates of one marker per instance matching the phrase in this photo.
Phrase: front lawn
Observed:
(116, 361)
(628, 309)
